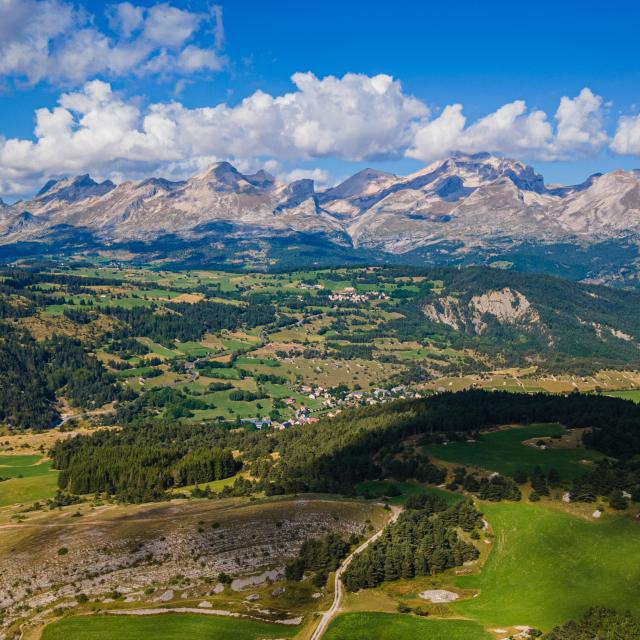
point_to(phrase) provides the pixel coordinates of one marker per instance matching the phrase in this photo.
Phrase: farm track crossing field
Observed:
(503, 451)
(548, 566)
(394, 626)
(164, 627)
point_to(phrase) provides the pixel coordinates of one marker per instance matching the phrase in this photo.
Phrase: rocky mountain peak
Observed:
(262, 179)
(225, 178)
(477, 204)
(486, 167)
(360, 184)
(73, 189)
(294, 194)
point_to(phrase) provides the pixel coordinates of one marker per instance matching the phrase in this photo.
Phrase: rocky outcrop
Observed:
(507, 306)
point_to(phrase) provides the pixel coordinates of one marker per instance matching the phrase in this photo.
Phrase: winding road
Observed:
(338, 588)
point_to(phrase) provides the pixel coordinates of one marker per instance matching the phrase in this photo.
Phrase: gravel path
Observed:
(338, 590)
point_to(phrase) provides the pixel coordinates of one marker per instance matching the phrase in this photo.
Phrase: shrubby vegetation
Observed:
(496, 488)
(610, 478)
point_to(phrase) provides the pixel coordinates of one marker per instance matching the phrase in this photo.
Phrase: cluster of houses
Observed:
(334, 402)
(350, 294)
(304, 285)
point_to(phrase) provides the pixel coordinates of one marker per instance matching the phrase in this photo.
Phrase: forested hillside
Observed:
(423, 542)
(529, 319)
(145, 458)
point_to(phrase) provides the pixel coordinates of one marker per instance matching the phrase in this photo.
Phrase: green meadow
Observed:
(406, 489)
(548, 566)
(23, 466)
(29, 489)
(503, 451)
(394, 626)
(29, 479)
(164, 627)
(631, 394)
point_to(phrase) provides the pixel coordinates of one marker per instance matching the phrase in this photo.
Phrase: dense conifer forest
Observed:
(423, 542)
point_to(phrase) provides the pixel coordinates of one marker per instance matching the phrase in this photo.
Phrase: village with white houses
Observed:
(334, 401)
(348, 294)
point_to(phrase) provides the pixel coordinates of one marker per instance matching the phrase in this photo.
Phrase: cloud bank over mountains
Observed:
(95, 128)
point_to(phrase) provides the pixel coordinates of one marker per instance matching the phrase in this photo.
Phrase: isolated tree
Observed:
(539, 482)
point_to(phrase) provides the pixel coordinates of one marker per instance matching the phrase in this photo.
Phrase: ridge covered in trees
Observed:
(31, 373)
(320, 555)
(334, 455)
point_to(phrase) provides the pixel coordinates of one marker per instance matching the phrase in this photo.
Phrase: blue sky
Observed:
(195, 56)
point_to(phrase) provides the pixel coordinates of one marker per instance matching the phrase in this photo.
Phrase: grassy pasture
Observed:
(395, 626)
(407, 489)
(215, 485)
(196, 349)
(25, 466)
(30, 478)
(29, 489)
(136, 372)
(631, 394)
(158, 349)
(163, 627)
(504, 452)
(548, 566)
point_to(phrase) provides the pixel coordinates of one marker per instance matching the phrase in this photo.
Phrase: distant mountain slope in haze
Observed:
(465, 209)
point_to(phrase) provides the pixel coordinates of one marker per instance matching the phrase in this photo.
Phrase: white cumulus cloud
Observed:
(513, 129)
(580, 124)
(319, 176)
(52, 41)
(626, 139)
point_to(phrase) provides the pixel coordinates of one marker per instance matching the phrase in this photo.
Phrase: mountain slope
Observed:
(531, 318)
(465, 209)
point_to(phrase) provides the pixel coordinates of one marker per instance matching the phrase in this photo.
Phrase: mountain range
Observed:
(467, 209)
